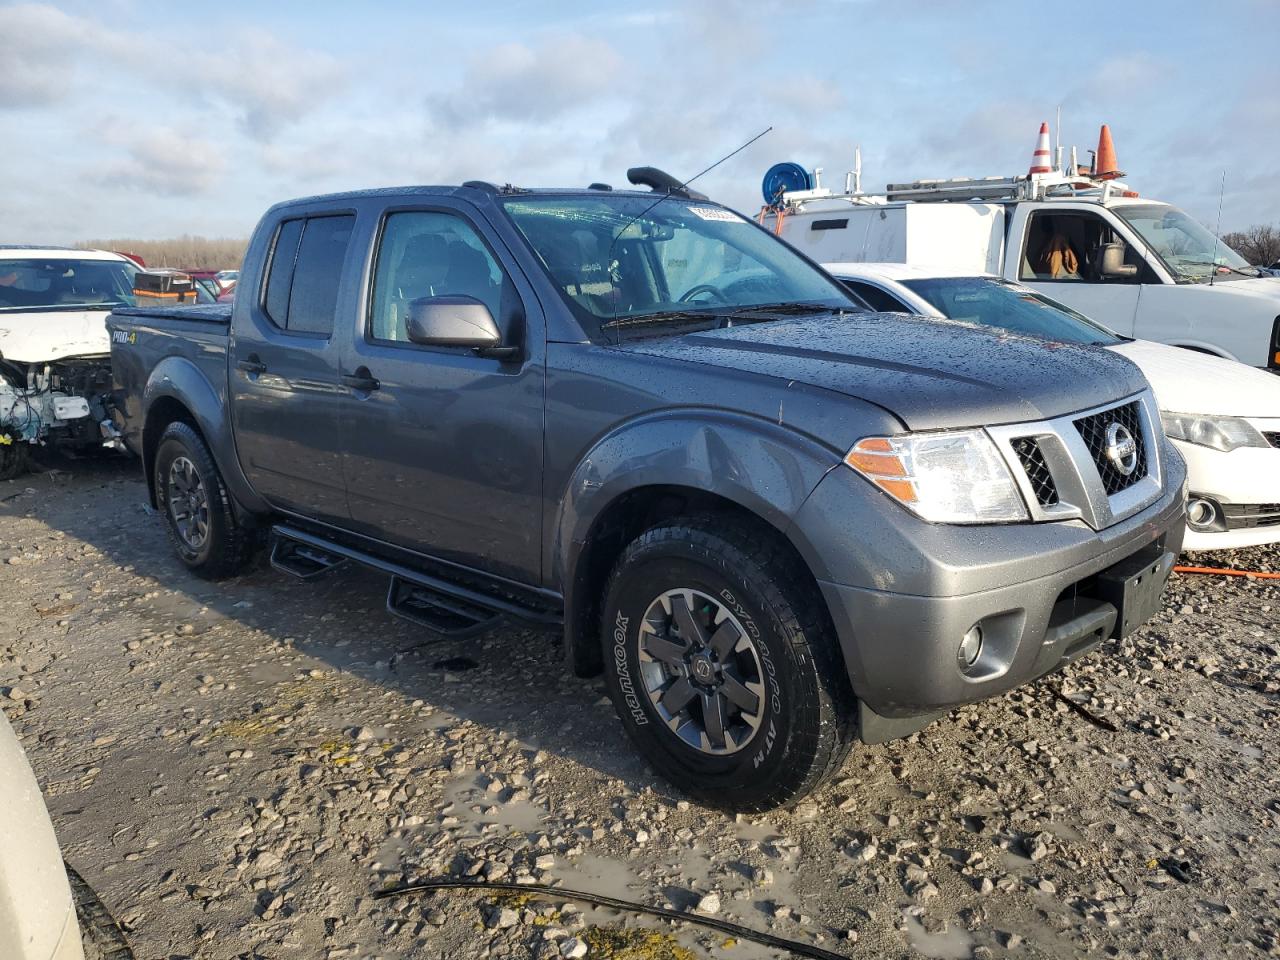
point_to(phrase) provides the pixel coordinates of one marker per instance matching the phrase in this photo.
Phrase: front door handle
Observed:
(361, 381)
(252, 365)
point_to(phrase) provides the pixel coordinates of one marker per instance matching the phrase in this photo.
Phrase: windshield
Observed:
(683, 264)
(65, 284)
(1010, 306)
(1190, 251)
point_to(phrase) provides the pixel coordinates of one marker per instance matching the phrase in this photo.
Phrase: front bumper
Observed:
(1036, 589)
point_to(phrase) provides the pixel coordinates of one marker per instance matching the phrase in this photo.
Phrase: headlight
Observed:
(1220, 433)
(955, 477)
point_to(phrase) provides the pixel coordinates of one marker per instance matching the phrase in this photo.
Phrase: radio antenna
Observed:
(672, 192)
(1217, 233)
(726, 157)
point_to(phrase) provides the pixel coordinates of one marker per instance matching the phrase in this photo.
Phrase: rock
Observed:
(865, 853)
(709, 904)
(573, 948)
(1037, 847)
(502, 918)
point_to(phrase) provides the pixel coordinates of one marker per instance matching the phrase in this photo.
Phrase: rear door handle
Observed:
(252, 365)
(361, 381)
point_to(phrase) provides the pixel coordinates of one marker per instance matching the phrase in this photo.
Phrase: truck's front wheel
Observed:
(721, 663)
(197, 507)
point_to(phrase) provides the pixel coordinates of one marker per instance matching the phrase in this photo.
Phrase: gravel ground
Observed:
(235, 768)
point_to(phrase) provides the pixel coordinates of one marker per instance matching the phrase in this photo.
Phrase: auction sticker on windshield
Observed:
(715, 213)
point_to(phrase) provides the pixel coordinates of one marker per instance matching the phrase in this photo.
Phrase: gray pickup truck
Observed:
(777, 523)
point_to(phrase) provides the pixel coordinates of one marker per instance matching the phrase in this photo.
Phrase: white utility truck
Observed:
(1142, 267)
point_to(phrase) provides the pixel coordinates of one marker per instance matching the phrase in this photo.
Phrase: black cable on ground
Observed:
(1093, 718)
(599, 900)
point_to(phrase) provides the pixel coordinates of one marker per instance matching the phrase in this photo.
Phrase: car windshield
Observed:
(1010, 306)
(65, 284)
(628, 266)
(1190, 251)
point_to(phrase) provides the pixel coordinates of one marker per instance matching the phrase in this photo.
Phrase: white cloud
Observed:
(515, 81)
(268, 83)
(167, 162)
(39, 50)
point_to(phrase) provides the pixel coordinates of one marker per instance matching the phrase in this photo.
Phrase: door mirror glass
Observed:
(1111, 261)
(453, 320)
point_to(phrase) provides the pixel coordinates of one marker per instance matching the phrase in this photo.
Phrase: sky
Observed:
(125, 118)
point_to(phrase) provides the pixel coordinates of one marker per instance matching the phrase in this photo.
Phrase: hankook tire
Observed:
(722, 663)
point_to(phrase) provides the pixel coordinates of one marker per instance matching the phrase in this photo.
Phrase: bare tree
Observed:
(1260, 244)
(185, 252)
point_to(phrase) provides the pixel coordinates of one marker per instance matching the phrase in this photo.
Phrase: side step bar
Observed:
(454, 609)
(438, 611)
(302, 560)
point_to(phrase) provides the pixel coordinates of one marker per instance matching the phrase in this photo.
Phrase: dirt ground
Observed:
(235, 768)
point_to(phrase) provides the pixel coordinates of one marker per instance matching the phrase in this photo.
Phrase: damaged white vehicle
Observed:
(55, 358)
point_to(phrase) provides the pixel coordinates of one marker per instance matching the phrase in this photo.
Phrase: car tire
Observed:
(14, 459)
(711, 606)
(193, 499)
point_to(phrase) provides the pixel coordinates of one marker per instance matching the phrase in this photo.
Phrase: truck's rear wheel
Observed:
(721, 662)
(197, 507)
(14, 458)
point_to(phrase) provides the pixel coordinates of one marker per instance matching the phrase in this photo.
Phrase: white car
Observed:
(1223, 416)
(37, 914)
(55, 358)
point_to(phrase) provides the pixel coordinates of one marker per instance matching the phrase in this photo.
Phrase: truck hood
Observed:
(931, 374)
(44, 335)
(1186, 381)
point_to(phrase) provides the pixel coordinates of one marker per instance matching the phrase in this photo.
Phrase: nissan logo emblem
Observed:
(1122, 449)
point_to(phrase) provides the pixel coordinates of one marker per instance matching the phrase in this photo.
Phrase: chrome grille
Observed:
(1033, 462)
(1273, 439)
(1093, 430)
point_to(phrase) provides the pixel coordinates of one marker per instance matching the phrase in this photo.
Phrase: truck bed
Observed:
(166, 342)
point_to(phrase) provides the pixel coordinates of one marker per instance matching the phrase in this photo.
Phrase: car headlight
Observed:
(1220, 433)
(952, 477)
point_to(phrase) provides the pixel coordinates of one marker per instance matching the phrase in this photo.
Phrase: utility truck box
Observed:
(1142, 267)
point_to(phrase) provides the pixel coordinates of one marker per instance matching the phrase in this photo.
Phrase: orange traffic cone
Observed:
(1040, 160)
(1105, 166)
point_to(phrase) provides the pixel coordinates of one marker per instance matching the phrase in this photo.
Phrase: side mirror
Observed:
(452, 321)
(1111, 261)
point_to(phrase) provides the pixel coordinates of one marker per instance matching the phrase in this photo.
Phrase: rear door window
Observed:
(305, 271)
(280, 278)
(313, 299)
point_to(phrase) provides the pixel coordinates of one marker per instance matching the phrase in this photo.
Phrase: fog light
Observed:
(970, 647)
(1201, 514)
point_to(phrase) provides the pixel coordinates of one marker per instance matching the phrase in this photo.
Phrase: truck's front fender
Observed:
(763, 468)
(177, 380)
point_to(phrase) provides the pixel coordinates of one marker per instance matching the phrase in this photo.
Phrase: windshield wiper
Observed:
(785, 308)
(665, 318)
(1217, 266)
